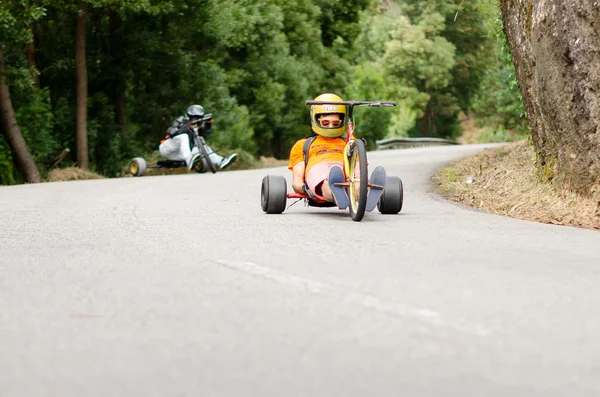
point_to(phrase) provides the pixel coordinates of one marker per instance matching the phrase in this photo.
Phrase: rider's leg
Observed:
(176, 148)
(189, 155)
(379, 178)
(336, 175)
(214, 157)
(218, 160)
(325, 191)
(320, 179)
(316, 178)
(168, 149)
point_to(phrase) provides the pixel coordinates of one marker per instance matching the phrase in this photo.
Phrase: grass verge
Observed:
(71, 174)
(505, 181)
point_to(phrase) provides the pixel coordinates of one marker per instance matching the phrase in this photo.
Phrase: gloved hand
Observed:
(309, 192)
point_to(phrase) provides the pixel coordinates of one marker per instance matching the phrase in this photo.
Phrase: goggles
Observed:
(331, 123)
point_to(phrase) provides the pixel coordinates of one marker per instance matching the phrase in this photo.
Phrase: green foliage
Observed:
(36, 121)
(252, 64)
(370, 83)
(433, 55)
(417, 56)
(15, 18)
(7, 169)
(338, 20)
(498, 134)
(497, 103)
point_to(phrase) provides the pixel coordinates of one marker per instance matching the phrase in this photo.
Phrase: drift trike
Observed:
(274, 193)
(138, 165)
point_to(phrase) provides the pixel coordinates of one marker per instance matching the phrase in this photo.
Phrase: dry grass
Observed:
(265, 162)
(505, 182)
(71, 174)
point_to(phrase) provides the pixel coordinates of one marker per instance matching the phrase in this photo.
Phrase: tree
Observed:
(497, 105)
(14, 25)
(251, 63)
(432, 55)
(82, 88)
(464, 25)
(556, 52)
(11, 130)
(406, 61)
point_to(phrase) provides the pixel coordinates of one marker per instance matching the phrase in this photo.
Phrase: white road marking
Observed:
(364, 300)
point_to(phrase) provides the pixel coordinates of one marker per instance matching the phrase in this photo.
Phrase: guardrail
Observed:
(402, 142)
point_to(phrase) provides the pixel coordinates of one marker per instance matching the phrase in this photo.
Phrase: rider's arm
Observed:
(298, 177)
(297, 166)
(177, 124)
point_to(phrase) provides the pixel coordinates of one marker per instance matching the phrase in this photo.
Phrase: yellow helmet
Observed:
(317, 110)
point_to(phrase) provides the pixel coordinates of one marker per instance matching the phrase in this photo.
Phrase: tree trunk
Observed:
(11, 130)
(82, 91)
(426, 128)
(556, 52)
(32, 61)
(120, 112)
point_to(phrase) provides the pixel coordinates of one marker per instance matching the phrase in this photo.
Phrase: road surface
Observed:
(181, 286)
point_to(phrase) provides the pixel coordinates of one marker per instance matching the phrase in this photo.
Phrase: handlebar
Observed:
(206, 117)
(374, 104)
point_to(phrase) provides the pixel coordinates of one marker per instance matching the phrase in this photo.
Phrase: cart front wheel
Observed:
(358, 179)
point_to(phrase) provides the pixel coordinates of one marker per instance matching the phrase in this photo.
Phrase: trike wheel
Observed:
(273, 194)
(137, 167)
(206, 159)
(200, 166)
(392, 197)
(358, 179)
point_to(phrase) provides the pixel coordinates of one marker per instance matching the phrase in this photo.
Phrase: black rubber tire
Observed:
(204, 153)
(201, 166)
(137, 167)
(392, 198)
(273, 194)
(358, 149)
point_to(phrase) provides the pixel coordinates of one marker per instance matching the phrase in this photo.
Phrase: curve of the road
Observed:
(181, 286)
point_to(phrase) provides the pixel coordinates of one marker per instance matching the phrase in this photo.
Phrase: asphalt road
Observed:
(181, 286)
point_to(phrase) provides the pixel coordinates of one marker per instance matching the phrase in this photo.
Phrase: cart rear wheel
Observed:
(273, 194)
(392, 197)
(137, 167)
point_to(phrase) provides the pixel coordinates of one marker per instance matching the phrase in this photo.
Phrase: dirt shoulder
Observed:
(504, 181)
(71, 174)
